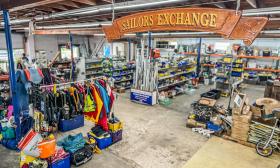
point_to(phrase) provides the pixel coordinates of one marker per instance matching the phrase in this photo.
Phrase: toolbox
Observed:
(116, 136)
(67, 125)
(63, 163)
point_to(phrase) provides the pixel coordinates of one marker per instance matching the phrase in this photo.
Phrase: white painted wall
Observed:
(17, 40)
(50, 43)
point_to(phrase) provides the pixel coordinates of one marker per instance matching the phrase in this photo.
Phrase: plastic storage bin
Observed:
(103, 142)
(64, 163)
(67, 125)
(116, 136)
(115, 126)
(213, 127)
(212, 94)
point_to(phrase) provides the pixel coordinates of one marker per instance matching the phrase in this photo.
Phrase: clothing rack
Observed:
(68, 83)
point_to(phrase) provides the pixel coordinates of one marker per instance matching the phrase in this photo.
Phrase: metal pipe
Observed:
(135, 5)
(198, 58)
(188, 33)
(261, 11)
(73, 26)
(129, 5)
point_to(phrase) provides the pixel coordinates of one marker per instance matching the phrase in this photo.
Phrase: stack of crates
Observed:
(237, 68)
(116, 128)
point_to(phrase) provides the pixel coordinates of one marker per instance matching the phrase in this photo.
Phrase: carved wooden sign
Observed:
(228, 23)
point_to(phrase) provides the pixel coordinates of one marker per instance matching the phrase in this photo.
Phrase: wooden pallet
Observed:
(251, 145)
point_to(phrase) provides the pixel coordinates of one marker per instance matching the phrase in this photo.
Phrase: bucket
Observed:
(29, 143)
(47, 148)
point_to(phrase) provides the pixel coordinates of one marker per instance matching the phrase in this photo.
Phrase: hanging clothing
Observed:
(111, 95)
(105, 97)
(22, 86)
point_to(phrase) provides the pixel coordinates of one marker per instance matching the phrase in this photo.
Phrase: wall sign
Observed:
(228, 23)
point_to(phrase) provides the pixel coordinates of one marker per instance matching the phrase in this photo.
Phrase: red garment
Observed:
(111, 95)
(27, 74)
(103, 121)
(40, 72)
(102, 83)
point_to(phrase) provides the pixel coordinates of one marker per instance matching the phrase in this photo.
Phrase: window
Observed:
(66, 52)
(162, 44)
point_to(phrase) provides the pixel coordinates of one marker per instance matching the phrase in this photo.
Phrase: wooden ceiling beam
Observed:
(66, 31)
(56, 6)
(70, 4)
(46, 9)
(109, 1)
(35, 4)
(88, 2)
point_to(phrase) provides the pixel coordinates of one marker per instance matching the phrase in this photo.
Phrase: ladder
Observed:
(98, 47)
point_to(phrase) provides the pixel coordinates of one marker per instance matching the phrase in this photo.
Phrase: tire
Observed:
(264, 152)
(278, 166)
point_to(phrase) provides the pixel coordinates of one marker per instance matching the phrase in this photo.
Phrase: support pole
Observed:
(149, 44)
(12, 73)
(31, 42)
(72, 58)
(129, 49)
(198, 58)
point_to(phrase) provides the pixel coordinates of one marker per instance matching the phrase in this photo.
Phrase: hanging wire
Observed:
(237, 6)
(113, 12)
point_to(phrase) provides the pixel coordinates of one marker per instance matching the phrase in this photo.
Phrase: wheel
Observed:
(278, 166)
(264, 152)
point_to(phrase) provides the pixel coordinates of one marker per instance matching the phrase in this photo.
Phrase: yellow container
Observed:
(116, 126)
(227, 60)
(25, 159)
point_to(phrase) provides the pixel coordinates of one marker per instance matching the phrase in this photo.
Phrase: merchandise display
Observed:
(173, 75)
(120, 72)
(86, 83)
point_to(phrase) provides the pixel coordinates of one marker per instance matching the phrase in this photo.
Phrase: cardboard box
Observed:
(207, 101)
(246, 109)
(239, 101)
(256, 111)
(242, 118)
(193, 124)
(236, 111)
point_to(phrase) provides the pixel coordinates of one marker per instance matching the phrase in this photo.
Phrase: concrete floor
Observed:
(220, 153)
(153, 137)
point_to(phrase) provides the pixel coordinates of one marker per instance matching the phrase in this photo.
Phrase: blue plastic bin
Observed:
(103, 142)
(213, 127)
(67, 125)
(116, 136)
(64, 163)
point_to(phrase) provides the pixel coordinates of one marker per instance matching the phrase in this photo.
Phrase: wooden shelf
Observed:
(208, 65)
(4, 77)
(217, 55)
(188, 53)
(171, 76)
(258, 57)
(172, 84)
(261, 69)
